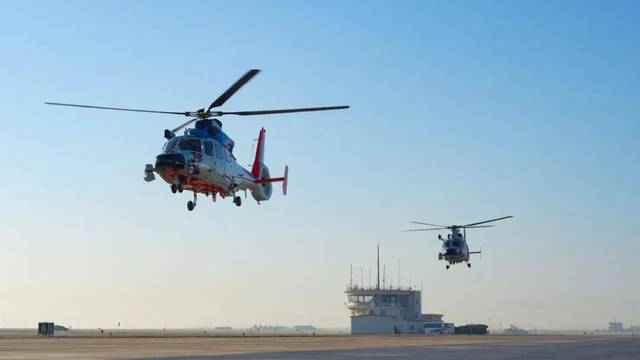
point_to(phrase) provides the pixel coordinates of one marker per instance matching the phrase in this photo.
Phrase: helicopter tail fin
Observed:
(258, 164)
(255, 169)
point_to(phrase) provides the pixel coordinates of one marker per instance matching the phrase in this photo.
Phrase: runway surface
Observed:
(200, 345)
(591, 349)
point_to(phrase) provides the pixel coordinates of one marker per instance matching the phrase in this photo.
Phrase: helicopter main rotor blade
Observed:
(424, 223)
(235, 87)
(280, 111)
(480, 226)
(442, 228)
(487, 221)
(185, 113)
(183, 125)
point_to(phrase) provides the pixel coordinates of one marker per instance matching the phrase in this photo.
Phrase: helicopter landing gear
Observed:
(439, 256)
(179, 188)
(174, 189)
(237, 200)
(192, 204)
(448, 266)
(469, 265)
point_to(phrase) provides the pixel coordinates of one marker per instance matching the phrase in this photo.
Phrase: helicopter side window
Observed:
(219, 152)
(190, 144)
(447, 243)
(208, 148)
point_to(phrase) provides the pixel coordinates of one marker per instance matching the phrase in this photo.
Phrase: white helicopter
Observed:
(202, 159)
(454, 247)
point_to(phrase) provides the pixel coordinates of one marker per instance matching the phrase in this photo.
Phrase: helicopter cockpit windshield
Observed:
(190, 144)
(170, 145)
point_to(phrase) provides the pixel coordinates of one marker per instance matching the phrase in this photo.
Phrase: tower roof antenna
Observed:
(351, 276)
(378, 264)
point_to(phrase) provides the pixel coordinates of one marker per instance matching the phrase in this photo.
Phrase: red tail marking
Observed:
(255, 169)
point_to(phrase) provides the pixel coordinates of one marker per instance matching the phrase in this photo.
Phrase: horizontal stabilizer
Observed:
(284, 179)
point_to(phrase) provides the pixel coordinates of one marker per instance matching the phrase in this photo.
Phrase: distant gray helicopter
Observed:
(454, 248)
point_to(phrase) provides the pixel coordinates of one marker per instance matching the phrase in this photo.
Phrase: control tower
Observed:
(386, 310)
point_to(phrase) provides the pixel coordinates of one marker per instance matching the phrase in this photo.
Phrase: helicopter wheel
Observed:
(174, 189)
(448, 266)
(469, 265)
(179, 188)
(237, 200)
(191, 205)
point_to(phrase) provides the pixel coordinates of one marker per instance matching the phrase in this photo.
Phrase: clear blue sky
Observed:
(461, 111)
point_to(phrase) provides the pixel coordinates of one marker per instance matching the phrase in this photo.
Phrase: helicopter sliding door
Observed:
(220, 165)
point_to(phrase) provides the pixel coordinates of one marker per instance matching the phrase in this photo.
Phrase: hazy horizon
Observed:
(460, 112)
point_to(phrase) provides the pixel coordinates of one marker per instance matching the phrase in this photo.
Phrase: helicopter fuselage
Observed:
(454, 248)
(202, 165)
(206, 165)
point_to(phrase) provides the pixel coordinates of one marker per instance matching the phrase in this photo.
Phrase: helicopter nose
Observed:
(173, 161)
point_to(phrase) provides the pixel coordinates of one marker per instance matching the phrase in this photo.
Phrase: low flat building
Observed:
(616, 326)
(514, 330)
(305, 328)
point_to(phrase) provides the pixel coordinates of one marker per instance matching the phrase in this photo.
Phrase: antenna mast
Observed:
(351, 276)
(378, 278)
(384, 276)
(399, 278)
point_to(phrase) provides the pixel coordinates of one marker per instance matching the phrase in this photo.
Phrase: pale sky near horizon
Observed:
(461, 111)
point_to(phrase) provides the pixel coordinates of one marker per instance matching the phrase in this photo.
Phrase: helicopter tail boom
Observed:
(475, 252)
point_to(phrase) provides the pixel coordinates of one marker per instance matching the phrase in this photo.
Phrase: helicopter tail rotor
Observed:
(285, 183)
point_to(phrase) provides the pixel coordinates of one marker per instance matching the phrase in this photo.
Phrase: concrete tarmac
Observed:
(590, 349)
(186, 345)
